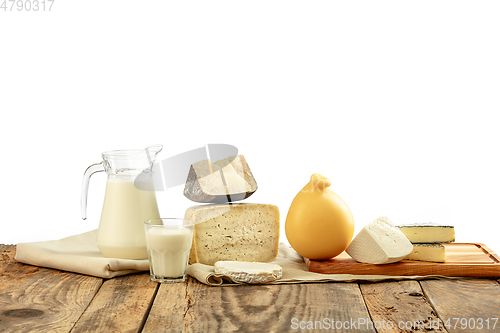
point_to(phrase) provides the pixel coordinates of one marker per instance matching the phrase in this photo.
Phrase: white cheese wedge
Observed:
(428, 252)
(386, 220)
(379, 243)
(428, 233)
(248, 272)
(235, 232)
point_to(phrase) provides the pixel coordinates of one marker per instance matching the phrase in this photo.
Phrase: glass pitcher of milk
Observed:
(126, 207)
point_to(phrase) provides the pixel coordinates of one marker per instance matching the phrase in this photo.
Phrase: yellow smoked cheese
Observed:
(319, 224)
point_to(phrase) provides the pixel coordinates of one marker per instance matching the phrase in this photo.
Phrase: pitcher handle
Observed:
(96, 167)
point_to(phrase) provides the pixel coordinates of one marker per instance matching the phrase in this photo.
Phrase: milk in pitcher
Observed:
(121, 230)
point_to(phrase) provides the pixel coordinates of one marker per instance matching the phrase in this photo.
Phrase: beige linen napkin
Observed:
(294, 271)
(80, 254)
(77, 254)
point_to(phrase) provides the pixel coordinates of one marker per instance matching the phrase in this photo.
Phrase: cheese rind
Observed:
(227, 180)
(248, 272)
(428, 252)
(420, 233)
(234, 232)
(379, 243)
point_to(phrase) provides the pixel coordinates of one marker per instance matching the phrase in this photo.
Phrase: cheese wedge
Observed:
(227, 180)
(248, 272)
(234, 232)
(428, 233)
(386, 220)
(380, 243)
(428, 252)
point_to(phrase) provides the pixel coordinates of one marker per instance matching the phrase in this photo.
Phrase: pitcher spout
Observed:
(152, 151)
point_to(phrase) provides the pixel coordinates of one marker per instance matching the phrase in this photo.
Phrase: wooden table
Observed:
(34, 299)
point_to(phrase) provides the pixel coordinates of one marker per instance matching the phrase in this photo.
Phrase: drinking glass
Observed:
(168, 242)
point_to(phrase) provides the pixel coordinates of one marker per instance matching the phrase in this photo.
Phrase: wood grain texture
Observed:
(260, 308)
(169, 308)
(34, 299)
(119, 306)
(462, 259)
(476, 300)
(400, 306)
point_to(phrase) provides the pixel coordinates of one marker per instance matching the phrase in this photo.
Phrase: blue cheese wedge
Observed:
(380, 242)
(420, 233)
(428, 252)
(248, 272)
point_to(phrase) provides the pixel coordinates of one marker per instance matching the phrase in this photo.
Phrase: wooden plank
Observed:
(261, 308)
(464, 303)
(120, 305)
(169, 308)
(40, 299)
(400, 307)
(462, 259)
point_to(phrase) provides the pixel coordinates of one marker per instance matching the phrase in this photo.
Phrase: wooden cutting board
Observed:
(462, 259)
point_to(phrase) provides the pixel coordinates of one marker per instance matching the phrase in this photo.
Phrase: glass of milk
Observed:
(168, 242)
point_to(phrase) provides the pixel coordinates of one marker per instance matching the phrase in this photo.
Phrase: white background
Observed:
(396, 102)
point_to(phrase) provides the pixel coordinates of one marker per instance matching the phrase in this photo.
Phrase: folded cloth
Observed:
(78, 254)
